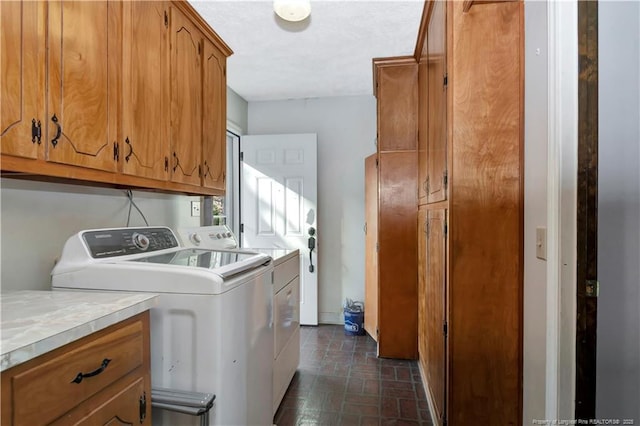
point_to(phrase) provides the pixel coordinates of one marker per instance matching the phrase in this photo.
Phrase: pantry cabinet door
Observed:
(437, 176)
(146, 103)
(435, 308)
(214, 118)
(83, 81)
(22, 52)
(186, 100)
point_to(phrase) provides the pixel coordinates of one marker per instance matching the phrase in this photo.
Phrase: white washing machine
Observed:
(286, 299)
(213, 325)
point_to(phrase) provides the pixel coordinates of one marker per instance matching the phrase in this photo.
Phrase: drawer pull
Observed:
(81, 375)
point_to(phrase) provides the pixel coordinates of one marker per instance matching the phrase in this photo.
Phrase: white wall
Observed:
(346, 129)
(38, 217)
(236, 111)
(618, 353)
(535, 210)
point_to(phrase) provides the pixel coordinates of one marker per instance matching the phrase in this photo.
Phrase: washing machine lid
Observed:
(222, 262)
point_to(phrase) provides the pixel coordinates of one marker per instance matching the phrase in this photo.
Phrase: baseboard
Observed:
(335, 318)
(427, 392)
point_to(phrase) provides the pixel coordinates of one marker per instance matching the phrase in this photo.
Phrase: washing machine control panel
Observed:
(124, 241)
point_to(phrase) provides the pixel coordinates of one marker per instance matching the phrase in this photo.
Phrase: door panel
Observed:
(423, 126)
(435, 295)
(437, 106)
(397, 99)
(279, 203)
(214, 118)
(22, 46)
(83, 86)
(423, 347)
(186, 99)
(371, 239)
(145, 117)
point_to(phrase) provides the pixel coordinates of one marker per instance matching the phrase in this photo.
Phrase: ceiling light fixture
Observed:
(292, 10)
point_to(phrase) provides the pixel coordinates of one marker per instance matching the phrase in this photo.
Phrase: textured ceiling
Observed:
(328, 54)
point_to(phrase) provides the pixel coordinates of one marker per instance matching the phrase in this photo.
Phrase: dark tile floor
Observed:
(340, 381)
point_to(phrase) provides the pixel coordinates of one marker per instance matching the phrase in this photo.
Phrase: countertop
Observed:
(35, 322)
(278, 255)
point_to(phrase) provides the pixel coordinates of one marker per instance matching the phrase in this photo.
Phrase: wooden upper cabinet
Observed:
(214, 117)
(144, 143)
(186, 99)
(437, 175)
(22, 52)
(423, 127)
(83, 81)
(396, 89)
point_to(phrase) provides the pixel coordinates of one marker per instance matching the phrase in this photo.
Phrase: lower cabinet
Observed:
(286, 306)
(101, 379)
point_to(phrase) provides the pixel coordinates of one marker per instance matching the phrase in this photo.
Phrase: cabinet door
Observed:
(186, 99)
(423, 126)
(397, 105)
(83, 83)
(214, 118)
(437, 137)
(124, 406)
(371, 240)
(435, 295)
(22, 47)
(423, 349)
(145, 90)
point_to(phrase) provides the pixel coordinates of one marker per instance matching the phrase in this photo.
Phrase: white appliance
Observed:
(213, 323)
(286, 300)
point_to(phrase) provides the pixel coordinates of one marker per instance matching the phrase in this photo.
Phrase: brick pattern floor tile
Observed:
(341, 381)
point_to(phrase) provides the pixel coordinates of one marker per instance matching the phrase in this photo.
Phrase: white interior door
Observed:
(279, 204)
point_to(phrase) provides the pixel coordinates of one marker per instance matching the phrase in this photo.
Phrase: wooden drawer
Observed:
(45, 388)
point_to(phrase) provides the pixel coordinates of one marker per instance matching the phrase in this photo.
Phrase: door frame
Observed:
(562, 149)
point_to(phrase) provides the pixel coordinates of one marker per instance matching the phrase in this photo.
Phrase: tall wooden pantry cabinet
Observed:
(470, 211)
(391, 312)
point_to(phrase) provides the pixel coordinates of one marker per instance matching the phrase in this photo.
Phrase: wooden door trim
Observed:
(587, 209)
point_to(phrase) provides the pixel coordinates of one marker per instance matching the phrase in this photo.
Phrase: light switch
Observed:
(541, 243)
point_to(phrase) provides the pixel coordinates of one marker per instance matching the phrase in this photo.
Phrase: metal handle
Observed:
(54, 141)
(128, 142)
(208, 171)
(177, 162)
(102, 367)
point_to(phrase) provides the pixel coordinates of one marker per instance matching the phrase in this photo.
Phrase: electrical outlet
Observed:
(195, 208)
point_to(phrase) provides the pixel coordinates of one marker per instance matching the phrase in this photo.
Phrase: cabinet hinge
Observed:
(446, 80)
(116, 151)
(36, 131)
(143, 407)
(445, 178)
(446, 229)
(426, 227)
(426, 186)
(199, 170)
(166, 164)
(166, 19)
(199, 48)
(377, 331)
(242, 156)
(377, 247)
(241, 227)
(377, 162)
(375, 141)
(445, 329)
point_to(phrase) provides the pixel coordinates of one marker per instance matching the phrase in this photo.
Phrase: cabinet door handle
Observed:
(177, 162)
(128, 142)
(208, 171)
(99, 370)
(54, 141)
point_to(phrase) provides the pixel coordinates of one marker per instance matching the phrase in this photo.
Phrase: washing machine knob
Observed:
(195, 238)
(140, 241)
(218, 236)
